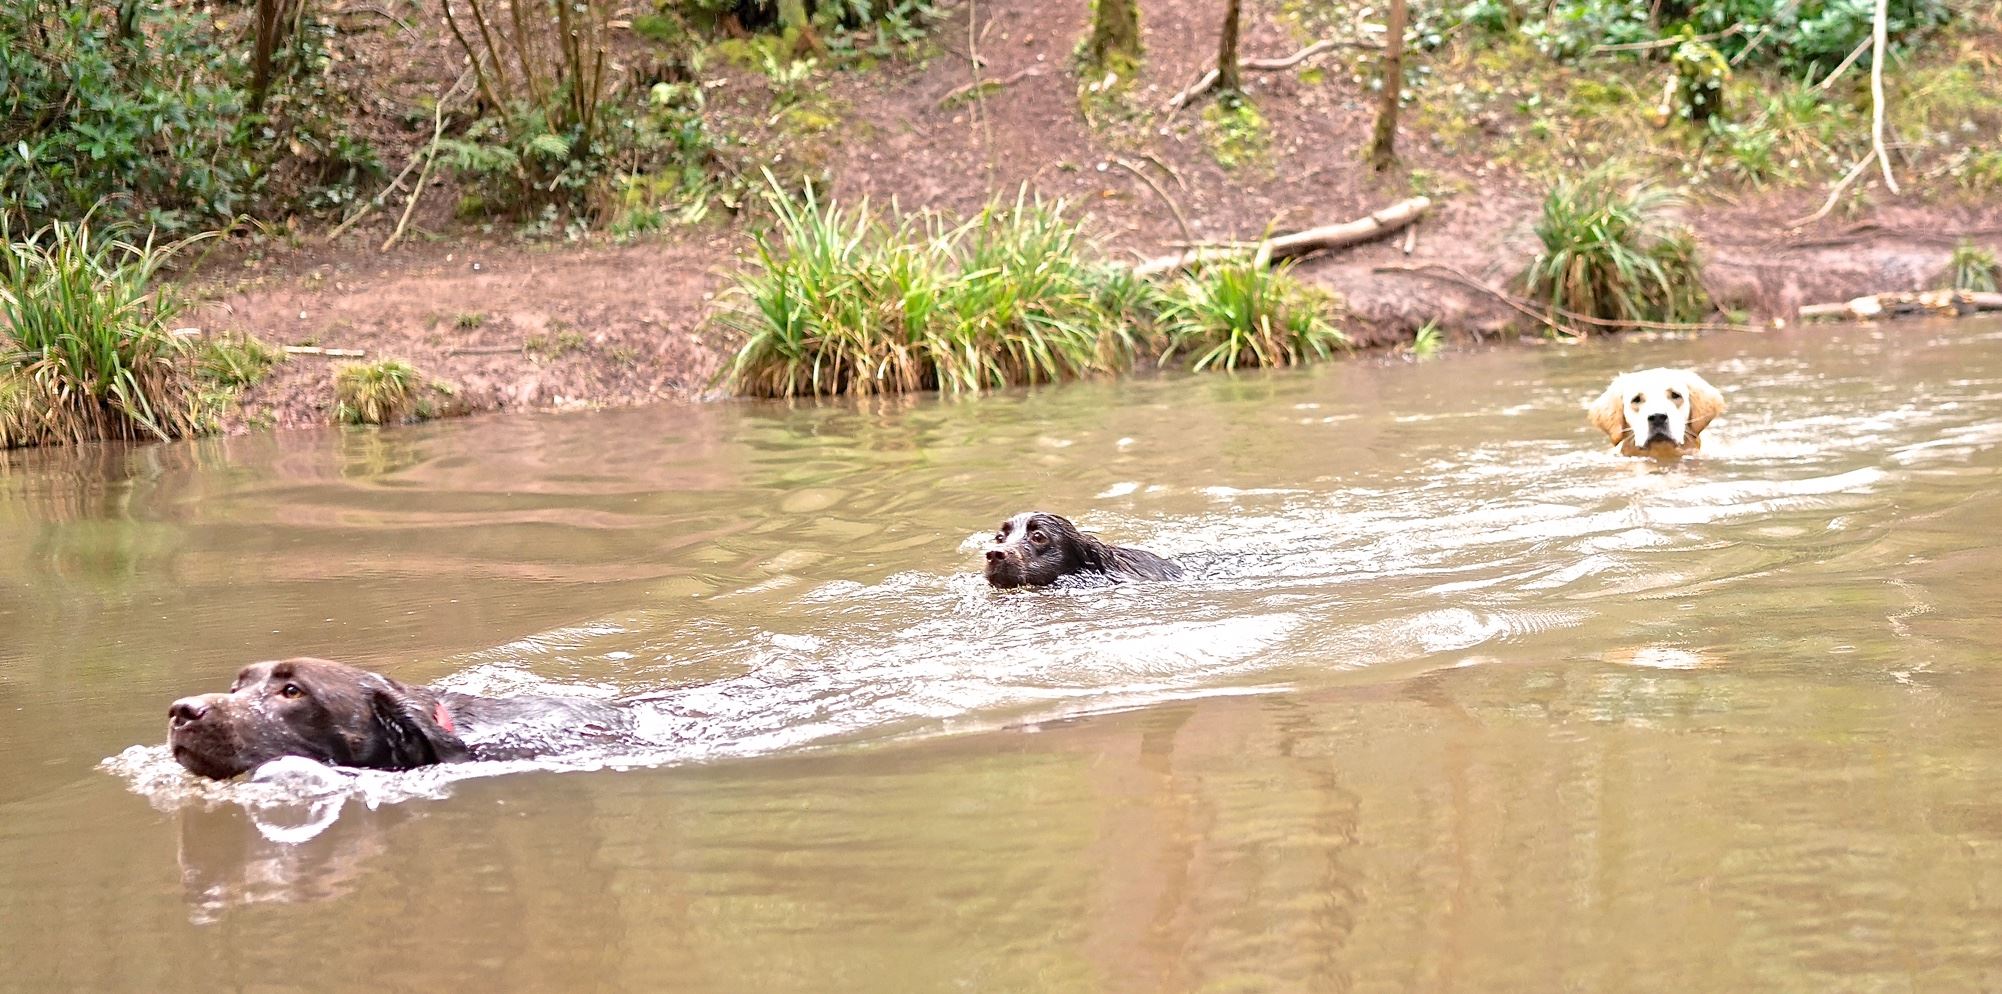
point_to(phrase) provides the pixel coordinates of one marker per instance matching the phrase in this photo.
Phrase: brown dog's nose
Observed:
(994, 555)
(187, 709)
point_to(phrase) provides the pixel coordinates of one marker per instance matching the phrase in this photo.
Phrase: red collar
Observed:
(443, 718)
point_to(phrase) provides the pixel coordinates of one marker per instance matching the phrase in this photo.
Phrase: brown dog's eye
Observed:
(1039, 538)
(1637, 400)
(1675, 396)
(291, 691)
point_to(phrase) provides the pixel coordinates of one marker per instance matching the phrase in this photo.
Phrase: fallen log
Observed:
(1936, 303)
(1299, 243)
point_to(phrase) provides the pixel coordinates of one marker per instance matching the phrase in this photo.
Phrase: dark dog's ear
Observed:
(414, 733)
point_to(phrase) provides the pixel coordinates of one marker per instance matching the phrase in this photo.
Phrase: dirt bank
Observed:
(514, 325)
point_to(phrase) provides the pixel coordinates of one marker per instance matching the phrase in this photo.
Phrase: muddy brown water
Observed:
(1453, 700)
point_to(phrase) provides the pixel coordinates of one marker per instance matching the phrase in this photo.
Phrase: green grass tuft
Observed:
(1244, 313)
(1973, 268)
(236, 361)
(85, 348)
(1614, 252)
(389, 391)
(840, 301)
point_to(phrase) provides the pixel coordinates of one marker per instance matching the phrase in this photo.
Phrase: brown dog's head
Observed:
(1034, 548)
(1656, 410)
(315, 708)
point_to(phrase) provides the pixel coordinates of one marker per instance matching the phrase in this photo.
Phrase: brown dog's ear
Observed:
(412, 732)
(1605, 413)
(1705, 403)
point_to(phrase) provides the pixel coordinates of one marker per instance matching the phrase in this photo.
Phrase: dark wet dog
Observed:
(343, 716)
(1034, 548)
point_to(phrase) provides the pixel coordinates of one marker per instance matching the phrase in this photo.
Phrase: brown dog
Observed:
(344, 716)
(1656, 412)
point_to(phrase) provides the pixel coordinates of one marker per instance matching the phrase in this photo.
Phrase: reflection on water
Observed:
(1452, 697)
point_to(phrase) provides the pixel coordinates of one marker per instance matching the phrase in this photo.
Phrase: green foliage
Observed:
(1973, 268)
(86, 352)
(1234, 131)
(843, 302)
(1805, 38)
(153, 126)
(389, 391)
(1428, 341)
(88, 113)
(1700, 75)
(1612, 251)
(1246, 313)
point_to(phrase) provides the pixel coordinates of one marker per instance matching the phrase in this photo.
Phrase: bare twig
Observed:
(982, 87)
(430, 159)
(1289, 61)
(397, 183)
(1180, 183)
(372, 9)
(1836, 194)
(1843, 66)
(1878, 47)
(1195, 89)
(330, 353)
(1449, 274)
(1758, 38)
(1202, 86)
(1173, 207)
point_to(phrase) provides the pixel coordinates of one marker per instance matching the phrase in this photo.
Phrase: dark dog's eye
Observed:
(1039, 538)
(1637, 400)
(291, 691)
(1675, 396)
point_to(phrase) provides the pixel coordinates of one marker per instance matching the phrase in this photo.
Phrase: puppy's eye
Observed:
(291, 691)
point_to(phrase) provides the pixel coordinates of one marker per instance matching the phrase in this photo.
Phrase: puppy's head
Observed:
(315, 708)
(1034, 548)
(1655, 407)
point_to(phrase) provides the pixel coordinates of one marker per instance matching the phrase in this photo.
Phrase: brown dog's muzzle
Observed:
(201, 740)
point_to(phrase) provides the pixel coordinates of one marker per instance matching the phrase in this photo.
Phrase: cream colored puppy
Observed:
(1656, 412)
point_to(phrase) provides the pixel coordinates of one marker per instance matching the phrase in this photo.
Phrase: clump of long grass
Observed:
(1614, 251)
(388, 391)
(1243, 312)
(1973, 268)
(839, 300)
(236, 361)
(85, 348)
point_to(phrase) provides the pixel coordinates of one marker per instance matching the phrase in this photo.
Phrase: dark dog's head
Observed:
(315, 708)
(1034, 548)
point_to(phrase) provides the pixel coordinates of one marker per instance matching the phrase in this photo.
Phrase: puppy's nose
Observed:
(1657, 421)
(187, 709)
(994, 555)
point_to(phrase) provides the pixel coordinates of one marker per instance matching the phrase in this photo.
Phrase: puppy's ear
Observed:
(1705, 403)
(1605, 413)
(413, 732)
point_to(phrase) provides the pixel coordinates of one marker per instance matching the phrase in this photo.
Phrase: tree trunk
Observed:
(1383, 144)
(1114, 45)
(1226, 53)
